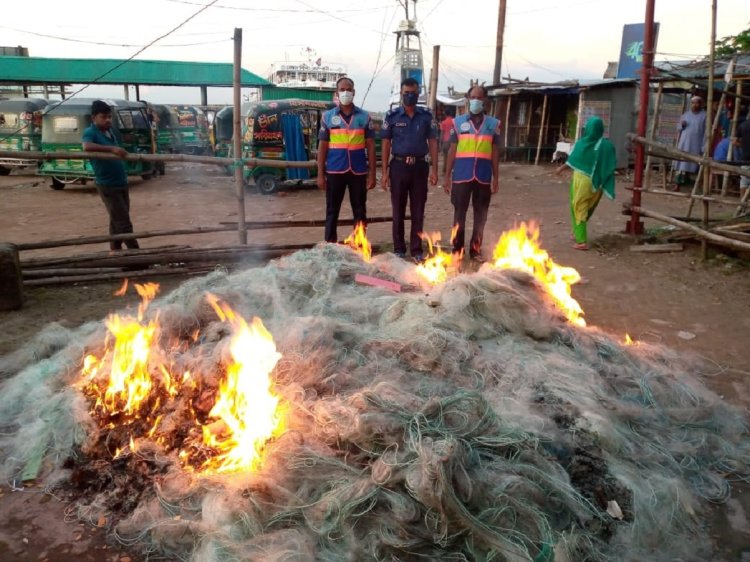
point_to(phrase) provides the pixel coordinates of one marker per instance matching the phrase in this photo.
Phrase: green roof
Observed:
(38, 70)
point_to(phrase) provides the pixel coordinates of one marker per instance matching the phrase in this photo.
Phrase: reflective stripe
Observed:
(481, 155)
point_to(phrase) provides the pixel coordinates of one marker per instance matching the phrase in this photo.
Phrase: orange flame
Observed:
(520, 249)
(123, 288)
(628, 340)
(436, 267)
(246, 410)
(358, 241)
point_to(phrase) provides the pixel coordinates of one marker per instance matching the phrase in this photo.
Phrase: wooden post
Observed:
(652, 134)
(541, 131)
(11, 281)
(499, 42)
(507, 126)
(204, 89)
(581, 97)
(137, 92)
(126, 91)
(434, 79)
(239, 178)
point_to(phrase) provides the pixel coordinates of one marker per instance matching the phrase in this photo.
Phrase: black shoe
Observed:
(401, 255)
(418, 258)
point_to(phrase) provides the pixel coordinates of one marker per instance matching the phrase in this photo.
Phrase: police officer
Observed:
(409, 132)
(471, 174)
(346, 157)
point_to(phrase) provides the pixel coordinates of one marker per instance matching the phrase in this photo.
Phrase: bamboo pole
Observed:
(703, 234)
(33, 273)
(105, 277)
(239, 171)
(673, 153)
(709, 134)
(131, 157)
(732, 135)
(507, 125)
(712, 199)
(541, 131)
(652, 133)
(225, 227)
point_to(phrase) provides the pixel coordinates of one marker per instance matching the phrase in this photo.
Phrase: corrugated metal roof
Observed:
(38, 70)
(700, 69)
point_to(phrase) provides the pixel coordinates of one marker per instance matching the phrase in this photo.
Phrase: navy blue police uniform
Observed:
(408, 172)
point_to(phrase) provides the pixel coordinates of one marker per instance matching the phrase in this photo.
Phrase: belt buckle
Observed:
(411, 160)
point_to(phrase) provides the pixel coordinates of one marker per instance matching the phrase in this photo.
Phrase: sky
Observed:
(545, 40)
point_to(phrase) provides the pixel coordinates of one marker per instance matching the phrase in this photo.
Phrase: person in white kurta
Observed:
(692, 138)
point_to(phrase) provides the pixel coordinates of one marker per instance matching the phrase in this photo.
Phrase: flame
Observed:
(358, 241)
(436, 267)
(133, 386)
(519, 249)
(123, 288)
(246, 410)
(628, 340)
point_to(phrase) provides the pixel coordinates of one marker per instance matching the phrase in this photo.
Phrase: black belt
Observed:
(411, 160)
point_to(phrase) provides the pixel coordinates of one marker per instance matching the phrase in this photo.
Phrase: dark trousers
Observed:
(117, 202)
(479, 194)
(336, 185)
(408, 181)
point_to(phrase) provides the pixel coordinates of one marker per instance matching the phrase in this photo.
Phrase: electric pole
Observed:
(499, 44)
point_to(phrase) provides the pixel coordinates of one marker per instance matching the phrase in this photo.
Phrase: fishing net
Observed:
(469, 421)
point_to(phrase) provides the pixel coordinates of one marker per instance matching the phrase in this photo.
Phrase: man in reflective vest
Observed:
(346, 157)
(471, 174)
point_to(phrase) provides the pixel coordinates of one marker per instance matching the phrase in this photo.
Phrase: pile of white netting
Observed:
(469, 421)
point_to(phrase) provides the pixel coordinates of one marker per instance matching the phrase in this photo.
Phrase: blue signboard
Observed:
(631, 50)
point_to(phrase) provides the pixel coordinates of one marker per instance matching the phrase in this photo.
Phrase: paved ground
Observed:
(675, 299)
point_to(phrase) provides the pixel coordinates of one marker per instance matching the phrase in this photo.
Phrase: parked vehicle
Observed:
(20, 129)
(193, 129)
(62, 129)
(282, 130)
(165, 123)
(223, 132)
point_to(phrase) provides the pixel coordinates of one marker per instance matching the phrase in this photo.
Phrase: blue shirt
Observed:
(107, 173)
(409, 135)
(721, 152)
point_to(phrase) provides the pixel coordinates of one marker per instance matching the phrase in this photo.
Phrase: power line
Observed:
(375, 70)
(138, 52)
(310, 9)
(105, 44)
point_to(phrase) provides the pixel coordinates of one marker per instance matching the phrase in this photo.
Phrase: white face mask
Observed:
(346, 98)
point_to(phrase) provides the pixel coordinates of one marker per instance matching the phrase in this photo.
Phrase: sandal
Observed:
(581, 246)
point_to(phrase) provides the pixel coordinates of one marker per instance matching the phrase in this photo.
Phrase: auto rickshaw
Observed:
(20, 129)
(62, 128)
(223, 133)
(282, 130)
(193, 129)
(165, 124)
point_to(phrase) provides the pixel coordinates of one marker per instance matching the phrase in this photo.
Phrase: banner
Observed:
(631, 50)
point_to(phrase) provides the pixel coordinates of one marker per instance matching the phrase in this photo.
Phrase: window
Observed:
(65, 124)
(9, 121)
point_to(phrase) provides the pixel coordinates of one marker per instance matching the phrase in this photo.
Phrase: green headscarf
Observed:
(595, 156)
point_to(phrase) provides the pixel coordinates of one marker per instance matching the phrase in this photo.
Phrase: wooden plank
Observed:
(377, 282)
(656, 248)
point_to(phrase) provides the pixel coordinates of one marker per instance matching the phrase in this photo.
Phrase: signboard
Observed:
(669, 120)
(631, 50)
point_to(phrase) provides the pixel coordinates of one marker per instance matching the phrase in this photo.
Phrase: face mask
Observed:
(410, 98)
(476, 106)
(346, 98)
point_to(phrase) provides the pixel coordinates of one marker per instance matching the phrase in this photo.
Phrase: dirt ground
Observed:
(675, 299)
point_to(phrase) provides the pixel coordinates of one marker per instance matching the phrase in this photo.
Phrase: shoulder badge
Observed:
(336, 120)
(465, 126)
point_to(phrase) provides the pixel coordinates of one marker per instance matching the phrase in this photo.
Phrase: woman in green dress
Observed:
(593, 161)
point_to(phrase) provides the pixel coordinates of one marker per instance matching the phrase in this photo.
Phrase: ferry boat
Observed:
(311, 73)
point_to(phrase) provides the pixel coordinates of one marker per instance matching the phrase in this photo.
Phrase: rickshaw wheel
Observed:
(4, 171)
(59, 184)
(267, 183)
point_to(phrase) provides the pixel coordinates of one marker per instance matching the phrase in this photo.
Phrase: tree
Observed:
(733, 44)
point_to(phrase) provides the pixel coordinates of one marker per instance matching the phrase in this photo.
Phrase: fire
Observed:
(358, 241)
(132, 386)
(628, 340)
(246, 410)
(436, 267)
(519, 249)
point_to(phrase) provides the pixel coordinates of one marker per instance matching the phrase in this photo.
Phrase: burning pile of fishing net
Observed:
(469, 420)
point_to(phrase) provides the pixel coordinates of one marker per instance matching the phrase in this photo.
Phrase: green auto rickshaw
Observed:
(282, 130)
(165, 123)
(223, 132)
(193, 129)
(20, 129)
(63, 124)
